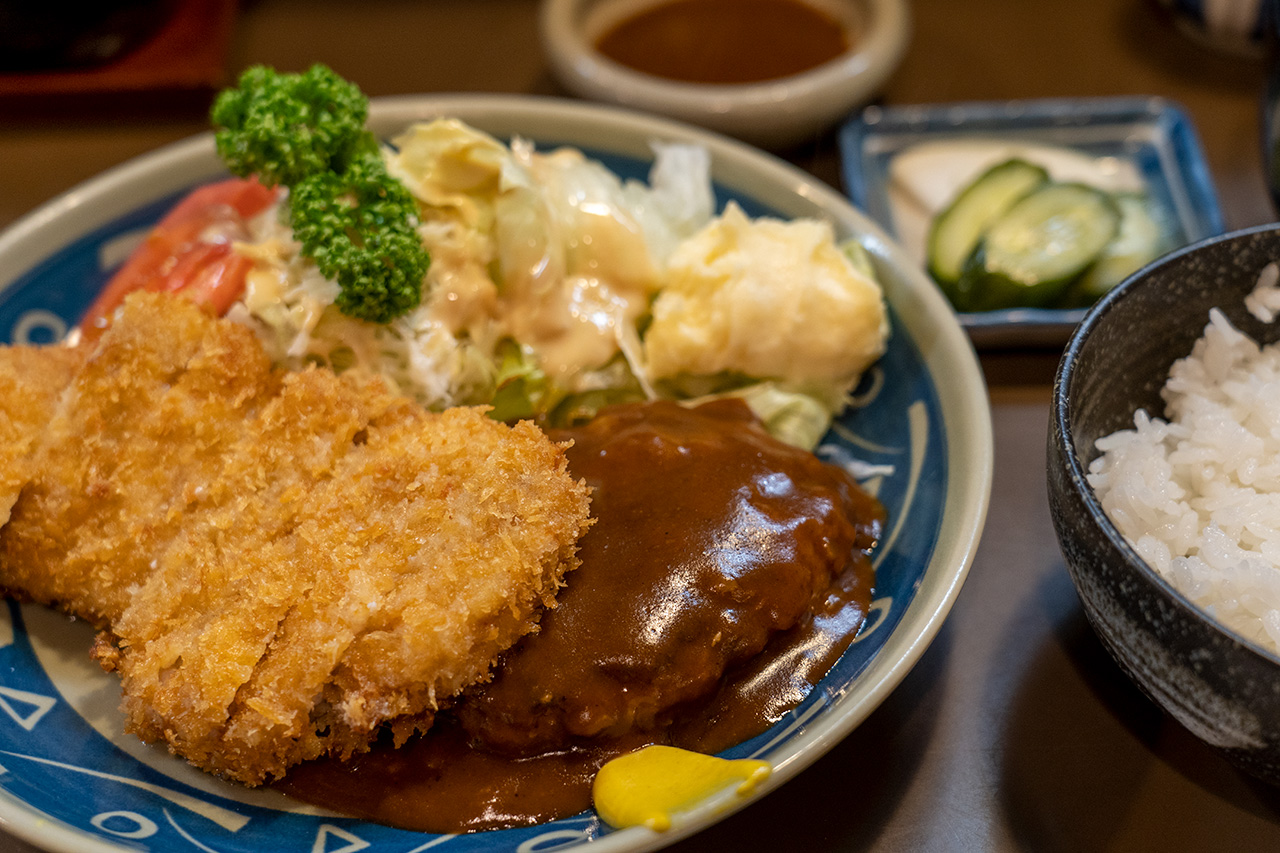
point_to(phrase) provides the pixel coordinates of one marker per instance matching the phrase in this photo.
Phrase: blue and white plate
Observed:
(1149, 138)
(71, 780)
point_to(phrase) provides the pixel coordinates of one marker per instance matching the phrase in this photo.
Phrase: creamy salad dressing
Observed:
(585, 272)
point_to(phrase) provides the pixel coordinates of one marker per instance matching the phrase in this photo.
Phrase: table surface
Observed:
(1015, 731)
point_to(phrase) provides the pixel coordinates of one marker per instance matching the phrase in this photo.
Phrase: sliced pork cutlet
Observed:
(196, 628)
(130, 451)
(32, 379)
(433, 548)
(317, 559)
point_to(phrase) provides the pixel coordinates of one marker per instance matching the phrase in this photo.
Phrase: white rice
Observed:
(1197, 494)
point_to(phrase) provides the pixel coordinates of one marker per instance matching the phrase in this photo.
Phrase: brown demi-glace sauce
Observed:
(725, 41)
(726, 572)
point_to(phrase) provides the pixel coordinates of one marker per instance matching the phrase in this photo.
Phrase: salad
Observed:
(543, 285)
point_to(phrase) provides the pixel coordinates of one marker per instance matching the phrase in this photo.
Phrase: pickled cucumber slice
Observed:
(1140, 240)
(1038, 247)
(956, 231)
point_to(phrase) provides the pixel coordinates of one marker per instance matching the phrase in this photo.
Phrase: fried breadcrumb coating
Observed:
(32, 380)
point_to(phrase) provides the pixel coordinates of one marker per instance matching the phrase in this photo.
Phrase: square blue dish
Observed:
(1150, 139)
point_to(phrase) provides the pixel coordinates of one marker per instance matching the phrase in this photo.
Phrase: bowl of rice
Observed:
(1164, 486)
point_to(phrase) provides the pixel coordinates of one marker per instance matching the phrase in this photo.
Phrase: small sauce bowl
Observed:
(775, 113)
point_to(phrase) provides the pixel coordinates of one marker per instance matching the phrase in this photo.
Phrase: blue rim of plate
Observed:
(71, 780)
(1154, 133)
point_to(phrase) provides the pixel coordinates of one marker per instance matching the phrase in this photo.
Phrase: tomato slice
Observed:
(189, 251)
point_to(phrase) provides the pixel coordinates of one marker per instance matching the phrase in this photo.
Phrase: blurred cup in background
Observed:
(1235, 26)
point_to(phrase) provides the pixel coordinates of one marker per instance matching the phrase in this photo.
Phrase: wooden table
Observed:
(1015, 731)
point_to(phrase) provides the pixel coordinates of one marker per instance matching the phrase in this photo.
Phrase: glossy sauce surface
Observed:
(725, 41)
(726, 572)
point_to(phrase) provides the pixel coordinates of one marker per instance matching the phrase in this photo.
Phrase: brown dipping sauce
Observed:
(726, 41)
(725, 574)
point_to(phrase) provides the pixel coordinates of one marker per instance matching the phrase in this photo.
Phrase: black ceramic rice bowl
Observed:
(1222, 688)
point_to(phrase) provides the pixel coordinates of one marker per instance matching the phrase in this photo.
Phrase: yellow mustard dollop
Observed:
(644, 788)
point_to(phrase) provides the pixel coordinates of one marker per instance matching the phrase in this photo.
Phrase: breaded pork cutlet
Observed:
(31, 381)
(282, 563)
(135, 442)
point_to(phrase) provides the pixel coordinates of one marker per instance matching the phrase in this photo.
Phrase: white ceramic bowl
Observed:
(74, 782)
(773, 114)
